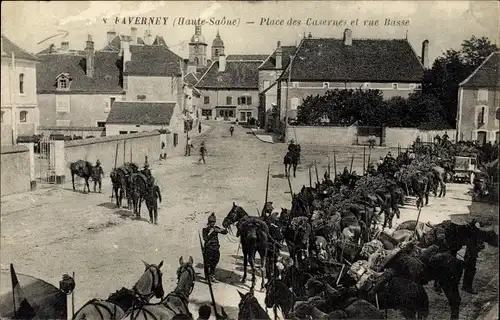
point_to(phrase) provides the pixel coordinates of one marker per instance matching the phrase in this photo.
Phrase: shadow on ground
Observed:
(107, 205)
(232, 312)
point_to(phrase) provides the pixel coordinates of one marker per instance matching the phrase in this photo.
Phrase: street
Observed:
(55, 230)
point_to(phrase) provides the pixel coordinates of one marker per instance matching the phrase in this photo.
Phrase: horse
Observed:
(140, 189)
(175, 303)
(83, 169)
(249, 307)
(254, 237)
(290, 160)
(278, 294)
(148, 285)
(121, 184)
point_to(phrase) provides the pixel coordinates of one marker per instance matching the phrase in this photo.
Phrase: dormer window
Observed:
(326, 85)
(63, 81)
(395, 86)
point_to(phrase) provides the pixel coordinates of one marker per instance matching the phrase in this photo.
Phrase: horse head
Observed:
(249, 307)
(186, 276)
(150, 283)
(235, 214)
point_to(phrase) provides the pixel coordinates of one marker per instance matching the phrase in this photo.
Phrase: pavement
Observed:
(55, 230)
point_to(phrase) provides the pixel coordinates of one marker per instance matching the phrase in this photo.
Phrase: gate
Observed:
(45, 161)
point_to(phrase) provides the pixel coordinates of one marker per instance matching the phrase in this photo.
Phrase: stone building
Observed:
(479, 103)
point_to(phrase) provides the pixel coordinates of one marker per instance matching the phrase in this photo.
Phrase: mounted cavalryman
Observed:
(146, 171)
(97, 174)
(212, 246)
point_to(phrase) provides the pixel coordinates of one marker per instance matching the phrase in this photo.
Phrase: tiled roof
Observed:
(191, 79)
(270, 62)
(153, 61)
(246, 57)
(55, 51)
(159, 41)
(115, 44)
(106, 78)
(238, 75)
(366, 60)
(487, 74)
(142, 113)
(9, 47)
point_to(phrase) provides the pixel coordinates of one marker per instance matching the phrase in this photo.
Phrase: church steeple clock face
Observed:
(196, 39)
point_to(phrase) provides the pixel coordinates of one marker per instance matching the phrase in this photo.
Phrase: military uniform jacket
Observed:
(212, 239)
(97, 172)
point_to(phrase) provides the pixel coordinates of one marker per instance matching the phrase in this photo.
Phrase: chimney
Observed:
(52, 48)
(348, 37)
(425, 53)
(125, 50)
(133, 34)
(148, 38)
(309, 35)
(64, 46)
(279, 56)
(222, 62)
(111, 35)
(89, 56)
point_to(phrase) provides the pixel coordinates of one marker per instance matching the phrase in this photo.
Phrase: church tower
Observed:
(198, 49)
(217, 47)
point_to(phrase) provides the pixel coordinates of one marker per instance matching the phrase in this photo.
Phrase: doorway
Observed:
(481, 137)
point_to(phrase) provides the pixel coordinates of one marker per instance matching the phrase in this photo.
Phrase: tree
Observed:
(454, 67)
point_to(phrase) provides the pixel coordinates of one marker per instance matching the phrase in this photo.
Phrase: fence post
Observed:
(59, 161)
(31, 150)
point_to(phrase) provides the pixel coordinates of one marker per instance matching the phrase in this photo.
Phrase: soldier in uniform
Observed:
(203, 151)
(211, 247)
(291, 146)
(474, 246)
(97, 174)
(146, 171)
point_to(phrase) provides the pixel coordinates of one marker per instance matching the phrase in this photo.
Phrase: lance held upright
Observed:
(212, 246)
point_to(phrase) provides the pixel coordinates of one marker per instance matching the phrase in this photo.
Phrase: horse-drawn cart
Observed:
(465, 166)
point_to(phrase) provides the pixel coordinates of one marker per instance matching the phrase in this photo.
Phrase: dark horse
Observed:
(140, 190)
(148, 285)
(249, 307)
(120, 178)
(254, 236)
(83, 169)
(290, 160)
(175, 303)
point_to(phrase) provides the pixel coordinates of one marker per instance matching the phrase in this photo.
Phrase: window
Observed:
(245, 100)
(229, 100)
(3, 112)
(267, 83)
(216, 52)
(23, 115)
(294, 104)
(63, 84)
(326, 85)
(395, 86)
(481, 116)
(196, 59)
(111, 101)
(63, 123)
(243, 116)
(176, 139)
(205, 113)
(62, 103)
(123, 132)
(231, 113)
(21, 83)
(133, 131)
(295, 84)
(101, 124)
(206, 100)
(482, 95)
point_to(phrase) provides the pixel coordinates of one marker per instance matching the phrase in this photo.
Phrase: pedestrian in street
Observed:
(163, 155)
(188, 147)
(211, 247)
(97, 174)
(204, 312)
(199, 127)
(231, 130)
(203, 151)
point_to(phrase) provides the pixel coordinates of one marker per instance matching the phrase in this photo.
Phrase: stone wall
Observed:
(125, 148)
(322, 135)
(406, 136)
(15, 169)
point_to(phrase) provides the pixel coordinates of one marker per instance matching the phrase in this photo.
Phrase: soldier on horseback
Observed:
(212, 246)
(146, 171)
(97, 174)
(295, 148)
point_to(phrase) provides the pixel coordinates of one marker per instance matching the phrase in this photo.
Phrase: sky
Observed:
(444, 23)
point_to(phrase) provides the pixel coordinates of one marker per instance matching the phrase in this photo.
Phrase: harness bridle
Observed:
(156, 282)
(182, 297)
